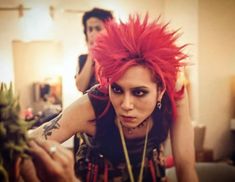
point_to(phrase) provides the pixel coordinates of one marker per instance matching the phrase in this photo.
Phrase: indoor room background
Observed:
(40, 40)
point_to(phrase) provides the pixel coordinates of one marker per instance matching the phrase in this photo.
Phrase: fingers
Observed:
(51, 160)
(51, 151)
(39, 153)
(51, 154)
(28, 172)
(42, 161)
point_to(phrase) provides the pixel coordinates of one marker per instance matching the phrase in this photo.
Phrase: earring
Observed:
(159, 105)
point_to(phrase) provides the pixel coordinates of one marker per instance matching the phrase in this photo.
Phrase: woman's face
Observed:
(134, 96)
(93, 27)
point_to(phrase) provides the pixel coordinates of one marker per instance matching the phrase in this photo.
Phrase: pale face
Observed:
(94, 27)
(134, 96)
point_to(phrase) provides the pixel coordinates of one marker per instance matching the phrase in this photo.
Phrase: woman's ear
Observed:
(160, 93)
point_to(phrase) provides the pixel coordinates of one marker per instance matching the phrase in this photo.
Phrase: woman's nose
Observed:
(127, 103)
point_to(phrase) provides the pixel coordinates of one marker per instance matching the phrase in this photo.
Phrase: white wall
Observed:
(216, 67)
(183, 15)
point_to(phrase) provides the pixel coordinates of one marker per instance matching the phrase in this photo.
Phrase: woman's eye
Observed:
(116, 89)
(98, 29)
(139, 93)
(90, 29)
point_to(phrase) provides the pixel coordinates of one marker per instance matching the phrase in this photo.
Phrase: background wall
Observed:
(35, 62)
(216, 68)
(206, 24)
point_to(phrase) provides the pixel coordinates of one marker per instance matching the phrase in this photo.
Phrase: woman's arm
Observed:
(75, 118)
(84, 76)
(182, 141)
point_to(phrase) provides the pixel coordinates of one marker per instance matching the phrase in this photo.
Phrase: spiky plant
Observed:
(12, 132)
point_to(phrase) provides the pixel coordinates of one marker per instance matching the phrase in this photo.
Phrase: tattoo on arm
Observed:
(53, 124)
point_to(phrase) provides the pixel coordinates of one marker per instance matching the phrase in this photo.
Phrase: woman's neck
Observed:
(138, 131)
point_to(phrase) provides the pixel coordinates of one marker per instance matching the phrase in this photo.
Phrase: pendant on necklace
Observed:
(129, 130)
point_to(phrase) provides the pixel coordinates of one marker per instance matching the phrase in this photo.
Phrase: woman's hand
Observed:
(52, 161)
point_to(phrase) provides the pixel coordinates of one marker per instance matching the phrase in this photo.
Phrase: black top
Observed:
(105, 147)
(81, 62)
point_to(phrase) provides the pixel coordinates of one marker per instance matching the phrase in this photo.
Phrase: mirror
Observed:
(38, 79)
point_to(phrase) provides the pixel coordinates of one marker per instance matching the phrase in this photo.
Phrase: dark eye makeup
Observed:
(98, 28)
(116, 88)
(137, 92)
(92, 28)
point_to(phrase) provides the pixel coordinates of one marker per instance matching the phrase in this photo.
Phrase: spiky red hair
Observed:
(139, 43)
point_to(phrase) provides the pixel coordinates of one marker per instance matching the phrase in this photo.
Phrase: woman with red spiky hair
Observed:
(132, 110)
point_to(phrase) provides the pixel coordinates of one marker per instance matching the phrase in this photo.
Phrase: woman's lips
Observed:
(127, 118)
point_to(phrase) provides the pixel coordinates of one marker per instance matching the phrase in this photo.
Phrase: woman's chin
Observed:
(128, 125)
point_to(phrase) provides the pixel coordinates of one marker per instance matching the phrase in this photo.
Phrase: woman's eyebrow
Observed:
(115, 84)
(133, 88)
(140, 87)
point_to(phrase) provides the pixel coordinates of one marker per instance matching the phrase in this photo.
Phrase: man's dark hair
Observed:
(102, 14)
